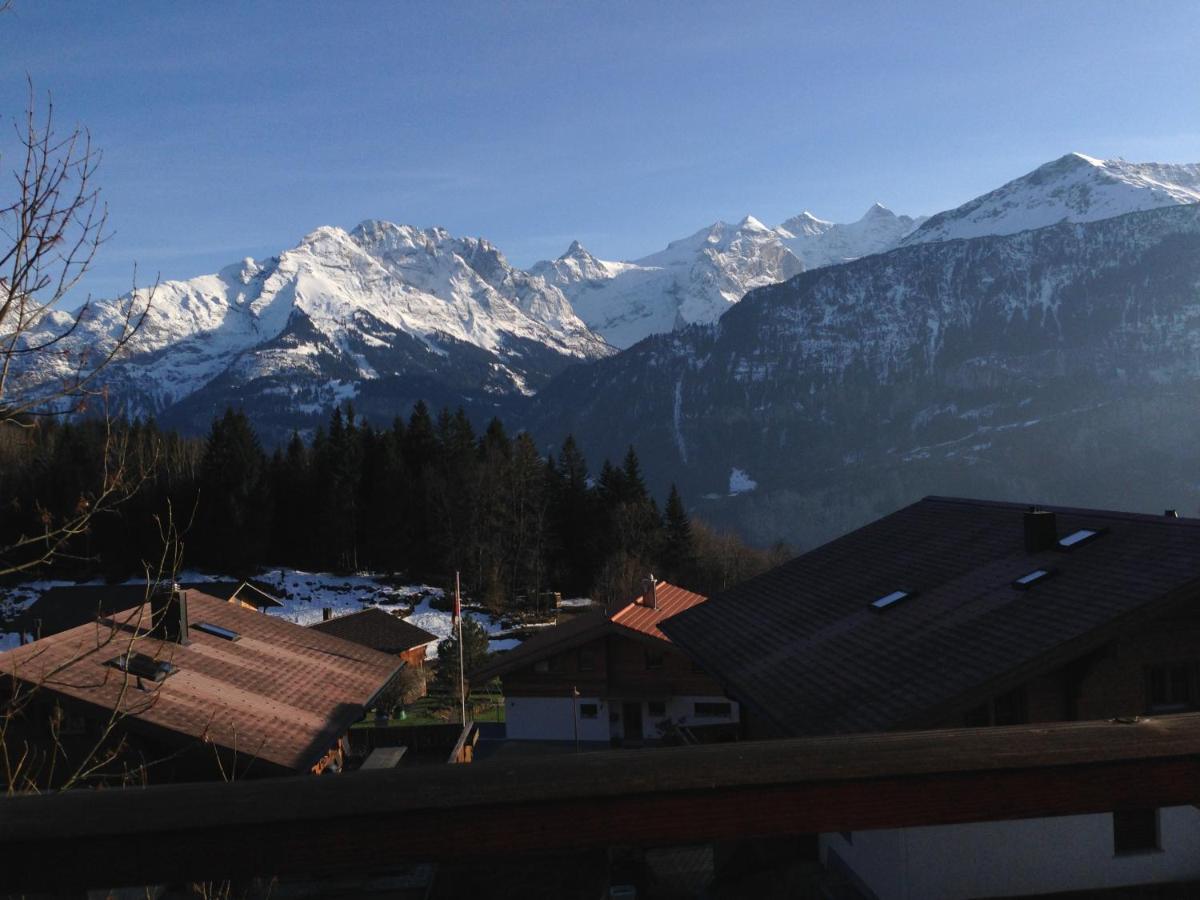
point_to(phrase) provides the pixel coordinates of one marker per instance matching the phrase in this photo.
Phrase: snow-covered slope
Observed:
(1074, 188)
(694, 279)
(820, 243)
(1048, 365)
(339, 309)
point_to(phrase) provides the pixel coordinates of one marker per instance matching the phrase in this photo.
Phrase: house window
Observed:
(587, 660)
(654, 659)
(712, 710)
(1135, 831)
(542, 666)
(556, 664)
(656, 708)
(1170, 688)
(589, 711)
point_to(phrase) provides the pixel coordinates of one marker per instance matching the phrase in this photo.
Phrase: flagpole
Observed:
(462, 681)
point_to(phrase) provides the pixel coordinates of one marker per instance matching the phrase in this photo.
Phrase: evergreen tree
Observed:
(679, 546)
(233, 512)
(475, 640)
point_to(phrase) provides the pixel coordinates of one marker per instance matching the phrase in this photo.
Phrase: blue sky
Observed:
(233, 129)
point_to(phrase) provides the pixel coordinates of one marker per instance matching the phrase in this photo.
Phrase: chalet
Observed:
(610, 677)
(61, 608)
(382, 631)
(197, 688)
(962, 613)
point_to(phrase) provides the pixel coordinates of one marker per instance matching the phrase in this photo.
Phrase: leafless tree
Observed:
(49, 236)
(50, 232)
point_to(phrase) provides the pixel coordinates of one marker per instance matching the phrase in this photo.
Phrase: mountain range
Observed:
(794, 380)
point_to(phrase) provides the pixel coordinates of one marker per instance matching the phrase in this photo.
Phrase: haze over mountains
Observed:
(795, 380)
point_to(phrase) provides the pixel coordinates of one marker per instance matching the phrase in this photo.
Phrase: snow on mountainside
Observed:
(819, 243)
(1074, 188)
(338, 310)
(694, 279)
(1030, 366)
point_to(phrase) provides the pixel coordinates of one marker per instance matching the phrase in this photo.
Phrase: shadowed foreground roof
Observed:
(378, 630)
(632, 620)
(281, 692)
(803, 645)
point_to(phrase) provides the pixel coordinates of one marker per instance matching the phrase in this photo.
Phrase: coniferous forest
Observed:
(422, 498)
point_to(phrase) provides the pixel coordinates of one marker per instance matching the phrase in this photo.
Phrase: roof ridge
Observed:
(1066, 510)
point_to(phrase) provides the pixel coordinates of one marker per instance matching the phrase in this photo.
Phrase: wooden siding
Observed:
(619, 670)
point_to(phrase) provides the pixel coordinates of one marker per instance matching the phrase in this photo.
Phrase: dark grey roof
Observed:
(802, 646)
(378, 630)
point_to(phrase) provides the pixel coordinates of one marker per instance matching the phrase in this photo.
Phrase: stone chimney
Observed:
(326, 613)
(169, 614)
(1041, 530)
(650, 593)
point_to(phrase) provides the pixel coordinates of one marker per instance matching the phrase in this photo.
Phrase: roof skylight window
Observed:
(1076, 538)
(143, 666)
(217, 631)
(888, 600)
(1025, 582)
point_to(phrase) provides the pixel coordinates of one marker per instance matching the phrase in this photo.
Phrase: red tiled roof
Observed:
(669, 600)
(633, 618)
(803, 646)
(281, 692)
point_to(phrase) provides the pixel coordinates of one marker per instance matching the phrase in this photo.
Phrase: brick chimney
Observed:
(650, 593)
(169, 614)
(1041, 530)
(326, 613)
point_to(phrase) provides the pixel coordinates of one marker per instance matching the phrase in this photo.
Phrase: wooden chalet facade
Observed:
(189, 687)
(610, 678)
(960, 613)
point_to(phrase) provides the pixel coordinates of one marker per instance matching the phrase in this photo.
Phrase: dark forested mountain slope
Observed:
(1060, 364)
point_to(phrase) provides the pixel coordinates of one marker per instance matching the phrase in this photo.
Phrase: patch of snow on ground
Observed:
(10, 640)
(304, 595)
(740, 482)
(575, 602)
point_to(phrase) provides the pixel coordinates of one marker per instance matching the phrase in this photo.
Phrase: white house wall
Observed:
(552, 719)
(1027, 856)
(549, 718)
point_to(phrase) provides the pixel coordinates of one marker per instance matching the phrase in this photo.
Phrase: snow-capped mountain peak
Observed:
(342, 308)
(1073, 188)
(804, 224)
(820, 243)
(693, 279)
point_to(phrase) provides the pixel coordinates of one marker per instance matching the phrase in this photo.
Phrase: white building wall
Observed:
(682, 710)
(1027, 856)
(551, 719)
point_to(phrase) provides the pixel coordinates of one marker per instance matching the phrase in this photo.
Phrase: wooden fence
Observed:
(668, 797)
